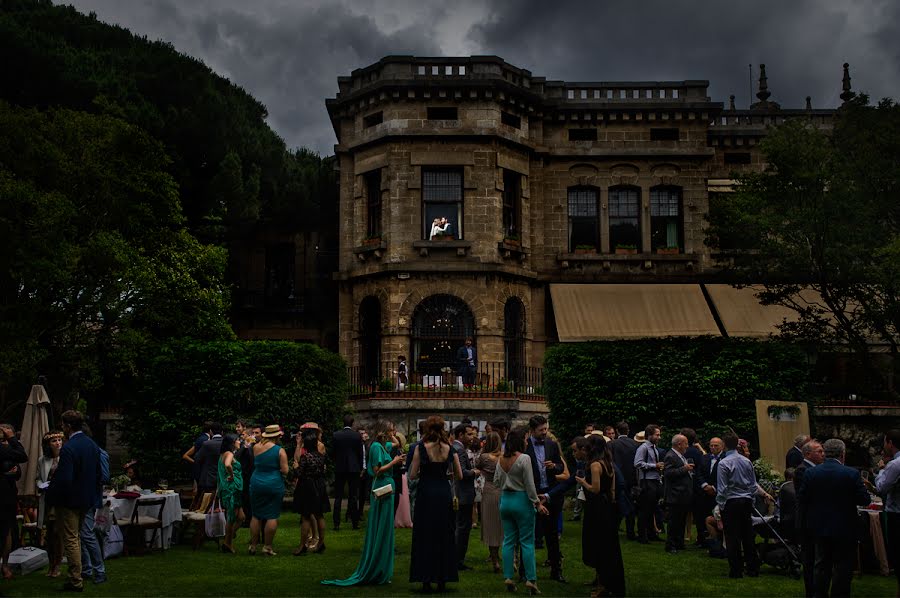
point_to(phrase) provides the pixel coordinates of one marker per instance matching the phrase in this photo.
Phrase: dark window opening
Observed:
(666, 229)
(667, 134)
(737, 158)
(511, 119)
(373, 203)
(442, 113)
(514, 339)
(373, 119)
(280, 281)
(582, 134)
(584, 225)
(442, 204)
(624, 218)
(370, 340)
(511, 202)
(440, 325)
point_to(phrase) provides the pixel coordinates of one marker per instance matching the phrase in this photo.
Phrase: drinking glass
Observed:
(690, 461)
(164, 484)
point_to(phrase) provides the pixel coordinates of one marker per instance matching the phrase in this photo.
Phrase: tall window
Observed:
(370, 340)
(373, 203)
(665, 218)
(442, 199)
(514, 339)
(511, 195)
(280, 260)
(583, 224)
(625, 218)
(441, 324)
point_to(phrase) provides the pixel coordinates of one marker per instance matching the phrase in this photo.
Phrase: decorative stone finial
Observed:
(731, 102)
(808, 103)
(848, 94)
(763, 93)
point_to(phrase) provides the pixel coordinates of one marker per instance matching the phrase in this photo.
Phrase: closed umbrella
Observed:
(34, 427)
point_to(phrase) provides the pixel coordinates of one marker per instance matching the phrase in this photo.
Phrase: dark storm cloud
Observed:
(289, 53)
(803, 44)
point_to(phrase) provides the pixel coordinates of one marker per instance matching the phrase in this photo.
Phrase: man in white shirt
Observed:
(887, 484)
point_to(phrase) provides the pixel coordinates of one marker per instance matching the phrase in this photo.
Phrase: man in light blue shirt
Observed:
(887, 486)
(649, 474)
(735, 489)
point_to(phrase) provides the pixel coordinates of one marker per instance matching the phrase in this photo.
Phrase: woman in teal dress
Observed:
(376, 565)
(231, 487)
(270, 465)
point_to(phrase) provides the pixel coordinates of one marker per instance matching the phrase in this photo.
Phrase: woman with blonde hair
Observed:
(434, 463)
(376, 565)
(51, 444)
(491, 526)
(267, 487)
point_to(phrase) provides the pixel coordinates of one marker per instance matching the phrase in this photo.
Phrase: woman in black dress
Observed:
(311, 496)
(599, 533)
(434, 522)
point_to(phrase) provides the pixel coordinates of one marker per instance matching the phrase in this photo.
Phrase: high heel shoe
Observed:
(227, 548)
(496, 567)
(532, 588)
(320, 548)
(300, 550)
(267, 551)
(251, 549)
(510, 586)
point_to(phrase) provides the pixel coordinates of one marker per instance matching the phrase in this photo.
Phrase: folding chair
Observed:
(139, 524)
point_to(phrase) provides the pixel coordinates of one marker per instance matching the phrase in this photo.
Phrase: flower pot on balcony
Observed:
(512, 241)
(585, 251)
(626, 251)
(372, 241)
(668, 250)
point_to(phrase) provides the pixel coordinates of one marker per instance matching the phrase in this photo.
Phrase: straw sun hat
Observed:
(273, 431)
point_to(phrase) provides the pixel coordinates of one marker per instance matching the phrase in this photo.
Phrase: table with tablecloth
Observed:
(123, 509)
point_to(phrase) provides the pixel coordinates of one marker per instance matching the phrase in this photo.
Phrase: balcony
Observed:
(838, 400)
(493, 381)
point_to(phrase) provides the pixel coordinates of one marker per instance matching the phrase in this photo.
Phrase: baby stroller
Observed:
(778, 549)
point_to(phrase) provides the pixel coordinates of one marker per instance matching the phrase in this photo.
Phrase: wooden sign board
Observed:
(779, 422)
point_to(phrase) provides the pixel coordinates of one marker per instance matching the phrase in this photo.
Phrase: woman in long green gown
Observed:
(231, 489)
(376, 565)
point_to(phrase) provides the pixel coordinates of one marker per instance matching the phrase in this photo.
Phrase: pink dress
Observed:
(403, 517)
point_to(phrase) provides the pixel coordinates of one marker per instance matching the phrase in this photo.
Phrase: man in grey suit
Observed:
(679, 491)
(464, 435)
(207, 459)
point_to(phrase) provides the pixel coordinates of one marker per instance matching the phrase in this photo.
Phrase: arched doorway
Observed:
(514, 339)
(370, 340)
(441, 324)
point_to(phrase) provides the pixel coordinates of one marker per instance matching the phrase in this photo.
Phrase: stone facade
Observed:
(511, 137)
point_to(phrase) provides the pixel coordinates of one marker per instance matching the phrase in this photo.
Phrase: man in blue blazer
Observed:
(467, 358)
(74, 488)
(828, 496)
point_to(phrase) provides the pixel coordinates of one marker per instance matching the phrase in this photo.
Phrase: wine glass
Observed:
(164, 484)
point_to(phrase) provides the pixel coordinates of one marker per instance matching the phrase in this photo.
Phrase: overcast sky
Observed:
(289, 53)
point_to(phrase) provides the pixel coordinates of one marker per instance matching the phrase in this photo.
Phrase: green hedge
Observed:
(707, 384)
(188, 382)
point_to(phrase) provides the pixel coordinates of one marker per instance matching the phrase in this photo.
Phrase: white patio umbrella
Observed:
(34, 426)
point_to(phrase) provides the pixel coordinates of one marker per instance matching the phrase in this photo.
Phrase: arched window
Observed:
(514, 339)
(441, 324)
(624, 218)
(665, 219)
(584, 225)
(370, 340)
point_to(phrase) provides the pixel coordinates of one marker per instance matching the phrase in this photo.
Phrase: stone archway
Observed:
(439, 326)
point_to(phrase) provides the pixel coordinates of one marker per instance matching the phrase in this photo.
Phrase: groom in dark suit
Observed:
(546, 464)
(467, 358)
(348, 458)
(829, 495)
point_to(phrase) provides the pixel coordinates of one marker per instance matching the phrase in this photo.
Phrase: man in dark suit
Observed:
(467, 358)
(207, 459)
(695, 455)
(348, 456)
(813, 455)
(75, 487)
(464, 435)
(829, 496)
(623, 450)
(794, 456)
(678, 491)
(546, 464)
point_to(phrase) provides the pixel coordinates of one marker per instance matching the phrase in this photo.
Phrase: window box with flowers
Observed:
(626, 249)
(671, 250)
(585, 249)
(512, 240)
(372, 240)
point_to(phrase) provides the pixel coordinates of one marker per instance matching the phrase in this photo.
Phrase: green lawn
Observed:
(183, 572)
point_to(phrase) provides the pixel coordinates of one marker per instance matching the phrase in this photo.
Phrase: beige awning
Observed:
(589, 312)
(742, 314)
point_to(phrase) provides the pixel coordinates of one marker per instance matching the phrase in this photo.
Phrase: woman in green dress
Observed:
(270, 465)
(376, 565)
(231, 488)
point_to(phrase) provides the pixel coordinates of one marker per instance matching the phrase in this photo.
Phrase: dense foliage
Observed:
(823, 217)
(708, 384)
(188, 382)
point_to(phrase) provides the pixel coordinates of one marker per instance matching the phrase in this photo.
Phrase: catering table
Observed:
(123, 508)
(874, 546)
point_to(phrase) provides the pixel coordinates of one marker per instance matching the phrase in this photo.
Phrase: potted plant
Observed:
(385, 385)
(373, 239)
(625, 249)
(443, 237)
(512, 239)
(668, 250)
(447, 377)
(585, 249)
(783, 413)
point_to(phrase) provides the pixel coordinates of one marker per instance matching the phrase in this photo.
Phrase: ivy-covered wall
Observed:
(188, 382)
(709, 384)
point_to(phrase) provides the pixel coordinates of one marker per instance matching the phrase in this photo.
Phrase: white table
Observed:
(123, 508)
